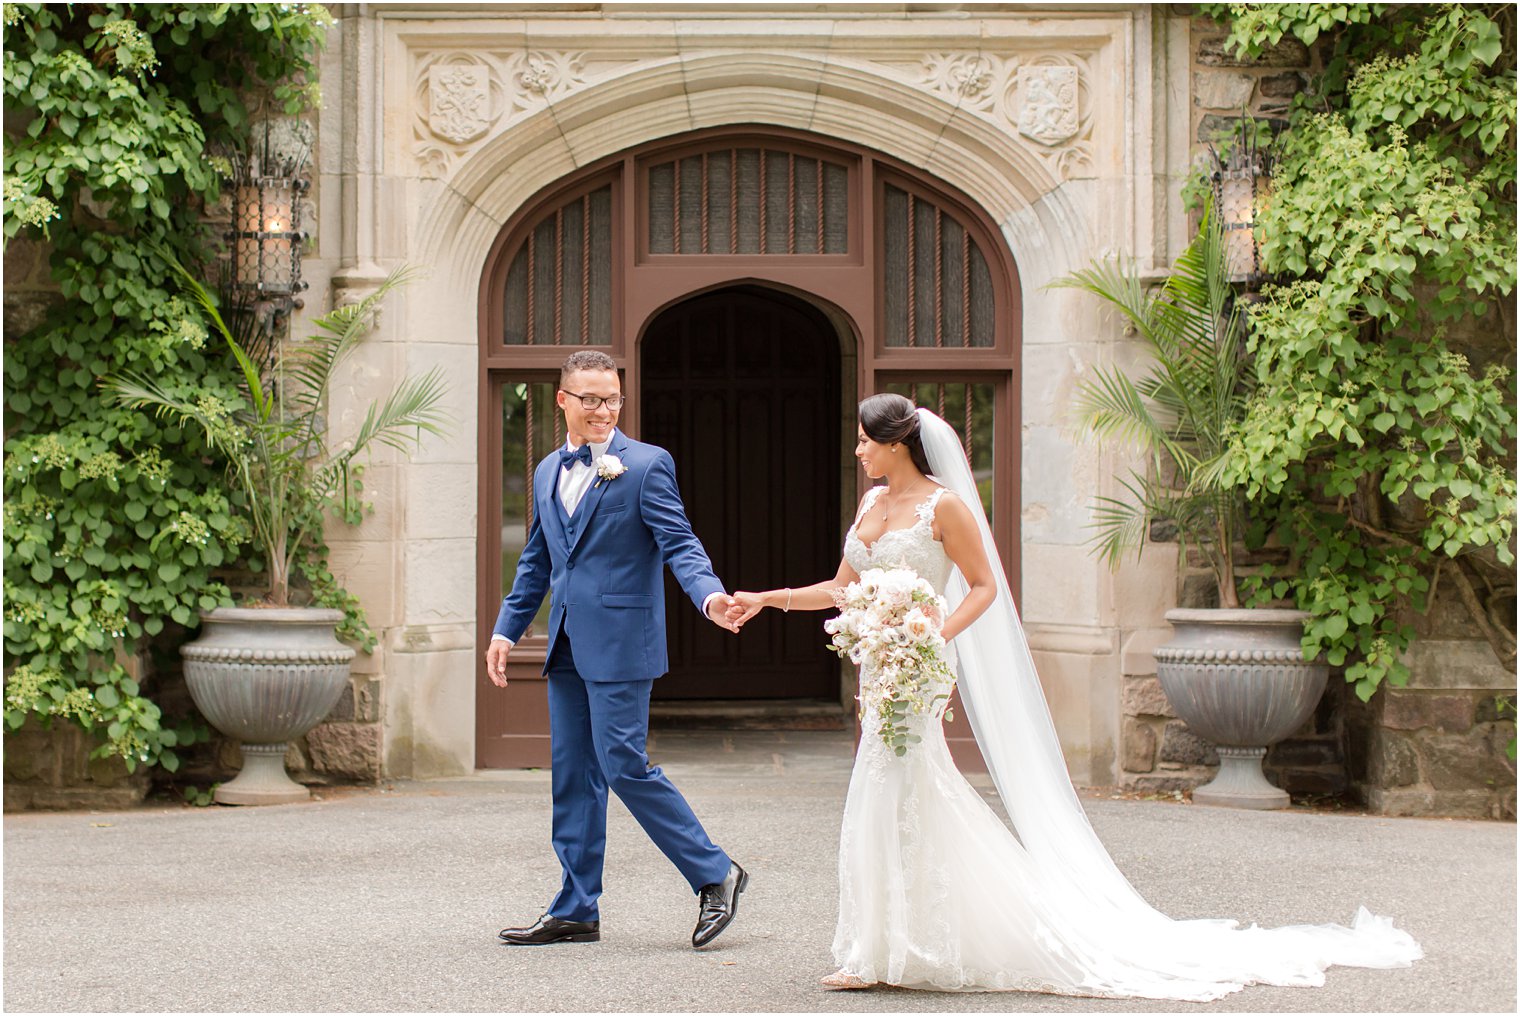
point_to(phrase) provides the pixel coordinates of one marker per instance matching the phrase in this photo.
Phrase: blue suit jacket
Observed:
(603, 569)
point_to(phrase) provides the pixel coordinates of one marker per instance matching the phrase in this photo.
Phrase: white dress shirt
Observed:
(574, 480)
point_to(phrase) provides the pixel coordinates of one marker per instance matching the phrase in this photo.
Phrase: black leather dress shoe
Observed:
(550, 929)
(720, 904)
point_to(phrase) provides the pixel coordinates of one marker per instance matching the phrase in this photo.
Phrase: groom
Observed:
(607, 518)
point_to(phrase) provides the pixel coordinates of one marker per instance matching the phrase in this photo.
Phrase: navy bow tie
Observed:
(567, 457)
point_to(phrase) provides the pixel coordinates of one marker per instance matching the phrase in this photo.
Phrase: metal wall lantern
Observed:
(266, 240)
(1240, 180)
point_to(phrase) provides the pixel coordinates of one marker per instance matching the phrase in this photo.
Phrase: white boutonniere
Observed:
(609, 467)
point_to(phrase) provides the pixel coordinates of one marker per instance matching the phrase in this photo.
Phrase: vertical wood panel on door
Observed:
(742, 387)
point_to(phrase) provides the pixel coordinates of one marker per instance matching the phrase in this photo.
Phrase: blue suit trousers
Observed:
(598, 731)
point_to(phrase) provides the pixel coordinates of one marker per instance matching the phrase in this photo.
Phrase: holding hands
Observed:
(819, 596)
(744, 606)
(720, 611)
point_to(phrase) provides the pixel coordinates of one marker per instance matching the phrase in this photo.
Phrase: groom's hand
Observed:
(496, 662)
(745, 606)
(717, 611)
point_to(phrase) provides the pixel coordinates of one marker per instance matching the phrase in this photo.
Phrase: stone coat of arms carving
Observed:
(1049, 113)
(459, 101)
(964, 78)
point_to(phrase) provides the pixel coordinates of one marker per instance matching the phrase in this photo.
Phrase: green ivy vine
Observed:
(1379, 448)
(115, 523)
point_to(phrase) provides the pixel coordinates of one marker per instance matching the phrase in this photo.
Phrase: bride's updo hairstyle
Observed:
(891, 419)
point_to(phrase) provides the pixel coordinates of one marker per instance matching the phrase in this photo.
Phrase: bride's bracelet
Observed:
(787, 609)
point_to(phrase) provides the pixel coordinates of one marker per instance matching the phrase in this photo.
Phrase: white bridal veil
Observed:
(1131, 948)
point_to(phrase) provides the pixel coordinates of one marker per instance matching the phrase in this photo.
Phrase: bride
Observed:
(934, 890)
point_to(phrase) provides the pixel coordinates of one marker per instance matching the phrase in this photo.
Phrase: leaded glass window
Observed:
(748, 201)
(559, 285)
(937, 289)
(972, 410)
(531, 427)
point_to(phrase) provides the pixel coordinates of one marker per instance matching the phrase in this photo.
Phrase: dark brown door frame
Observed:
(643, 285)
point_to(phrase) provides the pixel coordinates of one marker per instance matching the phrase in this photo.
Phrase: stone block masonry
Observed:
(1441, 745)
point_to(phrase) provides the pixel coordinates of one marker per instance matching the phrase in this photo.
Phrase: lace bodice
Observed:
(914, 547)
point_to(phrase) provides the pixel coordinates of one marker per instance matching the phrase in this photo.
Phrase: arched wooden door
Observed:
(908, 278)
(741, 385)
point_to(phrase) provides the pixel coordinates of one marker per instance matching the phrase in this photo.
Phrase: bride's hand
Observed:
(744, 607)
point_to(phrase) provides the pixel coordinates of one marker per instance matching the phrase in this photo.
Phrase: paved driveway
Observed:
(389, 899)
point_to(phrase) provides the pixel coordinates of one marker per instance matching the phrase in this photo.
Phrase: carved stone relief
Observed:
(1049, 109)
(459, 98)
(543, 76)
(969, 81)
(463, 97)
(459, 101)
(1041, 97)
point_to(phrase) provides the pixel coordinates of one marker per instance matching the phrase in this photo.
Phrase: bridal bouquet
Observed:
(889, 622)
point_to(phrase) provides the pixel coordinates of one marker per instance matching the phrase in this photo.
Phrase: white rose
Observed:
(917, 625)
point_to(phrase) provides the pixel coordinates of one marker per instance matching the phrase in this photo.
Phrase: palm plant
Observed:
(276, 441)
(1181, 412)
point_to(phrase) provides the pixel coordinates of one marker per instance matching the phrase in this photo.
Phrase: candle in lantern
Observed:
(264, 238)
(1237, 213)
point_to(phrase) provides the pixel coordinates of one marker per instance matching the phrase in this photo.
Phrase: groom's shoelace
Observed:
(712, 899)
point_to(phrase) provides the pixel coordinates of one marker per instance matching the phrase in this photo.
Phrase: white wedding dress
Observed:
(936, 892)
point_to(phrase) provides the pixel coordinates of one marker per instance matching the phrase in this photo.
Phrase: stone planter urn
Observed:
(263, 677)
(1239, 679)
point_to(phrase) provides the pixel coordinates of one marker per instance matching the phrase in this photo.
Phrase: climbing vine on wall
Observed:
(1380, 444)
(115, 523)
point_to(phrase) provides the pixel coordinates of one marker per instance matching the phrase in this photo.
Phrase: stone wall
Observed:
(51, 769)
(29, 288)
(1438, 746)
(48, 767)
(1226, 87)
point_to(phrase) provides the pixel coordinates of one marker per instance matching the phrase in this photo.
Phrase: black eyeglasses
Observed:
(591, 403)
